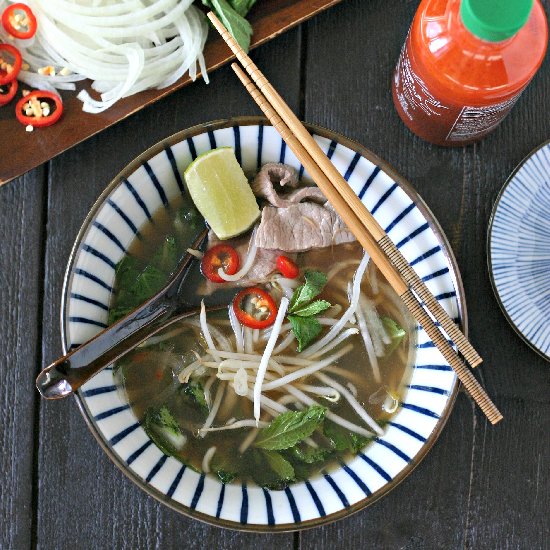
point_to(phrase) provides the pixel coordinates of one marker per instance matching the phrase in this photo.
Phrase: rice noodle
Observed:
(374, 322)
(352, 401)
(285, 342)
(250, 257)
(240, 382)
(206, 333)
(306, 371)
(237, 330)
(328, 393)
(365, 334)
(207, 458)
(214, 409)
(206, 390)
(248, 440)
(335, 330)
(233, 426)
(124, 47)
(248, 345)
(223, 342)
(338, 267)
(185, 374)
(283, 306)
(337, 341)
(330, 415)
(372, 274)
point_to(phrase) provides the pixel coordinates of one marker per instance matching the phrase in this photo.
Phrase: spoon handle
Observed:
(65, 375)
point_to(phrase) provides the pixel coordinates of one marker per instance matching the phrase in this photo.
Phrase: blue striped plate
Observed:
(151, 182)
(519, 249)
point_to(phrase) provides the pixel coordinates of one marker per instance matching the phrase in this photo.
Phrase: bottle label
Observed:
(475, 121)
(412, 92)
(439, 120)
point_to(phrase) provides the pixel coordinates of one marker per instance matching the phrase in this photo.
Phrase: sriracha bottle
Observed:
(465, 63)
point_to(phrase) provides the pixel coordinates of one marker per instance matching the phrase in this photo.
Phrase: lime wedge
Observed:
(221, 192)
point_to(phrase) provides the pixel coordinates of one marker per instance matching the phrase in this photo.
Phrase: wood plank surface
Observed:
(21, 227)
(467, 493)
(479, 487)
(74, 472)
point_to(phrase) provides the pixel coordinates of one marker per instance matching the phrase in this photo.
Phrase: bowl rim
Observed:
(434, 225)
(496, 204)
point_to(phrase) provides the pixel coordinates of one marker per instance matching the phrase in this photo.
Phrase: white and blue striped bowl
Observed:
(151, 182)
(519, 249)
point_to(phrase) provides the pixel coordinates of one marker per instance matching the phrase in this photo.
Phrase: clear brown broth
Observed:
(149, 379)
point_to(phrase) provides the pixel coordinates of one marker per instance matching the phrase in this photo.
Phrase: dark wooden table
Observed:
(480, 486)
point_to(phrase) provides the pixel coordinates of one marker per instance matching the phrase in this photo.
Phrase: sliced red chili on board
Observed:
(255, 308)
(10, 63)
(7, 91)
(39, 108)
(220, 255)
(19, 21)
(287, 267)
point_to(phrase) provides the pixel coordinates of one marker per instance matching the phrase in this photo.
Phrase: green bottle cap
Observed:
(495, 20)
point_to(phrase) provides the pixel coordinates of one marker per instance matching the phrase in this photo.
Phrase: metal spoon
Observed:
(65, 375)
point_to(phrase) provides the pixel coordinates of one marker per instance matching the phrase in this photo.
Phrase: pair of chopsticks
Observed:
(387, 257)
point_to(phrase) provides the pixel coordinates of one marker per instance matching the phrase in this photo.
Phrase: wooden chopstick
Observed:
(369, 244)
(335, 178)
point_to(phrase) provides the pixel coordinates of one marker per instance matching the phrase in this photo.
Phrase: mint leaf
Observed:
(342, 439)
(306, 329)
(196, 393)
(312, 309)
(226, 466)
(282, 467)
(164, 430)
(309, 455)
(315, 282)
(166, 256)
(242, 7)
(289, 428)
(235, 23)
(395, 332)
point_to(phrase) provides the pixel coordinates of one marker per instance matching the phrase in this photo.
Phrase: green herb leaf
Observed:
(289, 428)
(309, 455)
(195, 391)
(226, 466)
(315, 282)
(282, 467)
(312, 309)
(395, 332)
(269, 468)
(242, 7)
(306, 329)
(164, 430)
(235, 23)
(342, 439)
(225, 477)
(166, 256)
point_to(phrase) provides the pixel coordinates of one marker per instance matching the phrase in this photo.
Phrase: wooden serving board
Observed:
(22, 150)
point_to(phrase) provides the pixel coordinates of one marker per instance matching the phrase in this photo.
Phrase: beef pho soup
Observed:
(305, 365)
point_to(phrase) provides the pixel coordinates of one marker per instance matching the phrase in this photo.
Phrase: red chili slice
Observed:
(7, 91)
(220, 255)
(10, 63)
(287, 267)
(23, 26)
(255, 308)
(33, 102)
